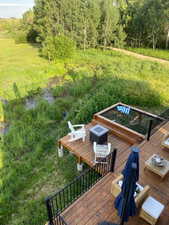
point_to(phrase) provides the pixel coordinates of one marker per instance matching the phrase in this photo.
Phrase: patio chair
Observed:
(101, 151)
(77, 134)
(139, 198)
(165, 141)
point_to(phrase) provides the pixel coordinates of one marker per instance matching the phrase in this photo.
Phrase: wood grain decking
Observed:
(96, 205)
(84, 150)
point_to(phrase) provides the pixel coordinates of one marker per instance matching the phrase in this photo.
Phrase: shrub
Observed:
(20, 37)
(58, 47)
(80, 87)
(58, 91)
(34, 92)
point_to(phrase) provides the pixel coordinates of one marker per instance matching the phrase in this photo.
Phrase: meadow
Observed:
(88, 82)
(157, 53)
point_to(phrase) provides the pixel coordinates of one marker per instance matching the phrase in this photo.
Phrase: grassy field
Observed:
(21, 64)
(92, 80)
(161, 54)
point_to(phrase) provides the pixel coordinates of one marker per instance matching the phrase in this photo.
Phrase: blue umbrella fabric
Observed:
(130, 177)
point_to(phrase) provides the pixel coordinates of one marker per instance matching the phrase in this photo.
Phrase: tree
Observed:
(110, 27)
(58, 47)
(27, 25)
(39, 11)
(148, 23)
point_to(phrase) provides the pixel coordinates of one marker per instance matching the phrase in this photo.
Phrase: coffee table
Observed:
(161, 171)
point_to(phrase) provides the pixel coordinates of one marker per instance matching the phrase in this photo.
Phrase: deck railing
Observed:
(58, 202)
(154, 124)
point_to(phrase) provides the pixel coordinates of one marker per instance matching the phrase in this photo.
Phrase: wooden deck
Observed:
(84, 150)
(96, 205)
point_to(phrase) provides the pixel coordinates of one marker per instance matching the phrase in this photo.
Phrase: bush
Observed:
(33, 93)
(58, 47)
(20, 37)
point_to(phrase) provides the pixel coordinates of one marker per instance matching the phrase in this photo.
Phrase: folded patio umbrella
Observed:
(124, 202)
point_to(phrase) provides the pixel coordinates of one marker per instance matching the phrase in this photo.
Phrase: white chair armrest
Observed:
(79, 125)
(109, 147)
(94, 146)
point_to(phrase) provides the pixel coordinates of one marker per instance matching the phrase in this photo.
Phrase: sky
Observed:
(14, 8)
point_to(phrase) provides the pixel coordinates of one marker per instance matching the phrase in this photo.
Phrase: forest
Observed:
(61, 26)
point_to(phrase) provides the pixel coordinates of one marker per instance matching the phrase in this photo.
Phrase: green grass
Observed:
(29, 167)
(21, 64)
(157, 53)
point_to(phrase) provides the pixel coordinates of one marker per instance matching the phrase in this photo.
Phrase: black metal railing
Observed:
(59, 220)
(155, 124)
(58, 202)
(132, 118)
(165, 114)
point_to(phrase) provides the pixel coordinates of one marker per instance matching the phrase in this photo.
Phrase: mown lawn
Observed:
(157, 53)
(91, 80)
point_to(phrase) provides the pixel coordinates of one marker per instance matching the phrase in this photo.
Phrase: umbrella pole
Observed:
(127, 196)
(124, 206)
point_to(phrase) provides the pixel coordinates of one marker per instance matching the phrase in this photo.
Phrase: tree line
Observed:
(93, 23)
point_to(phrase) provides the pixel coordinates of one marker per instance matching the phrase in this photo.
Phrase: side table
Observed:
(161, 171)
(98, 134)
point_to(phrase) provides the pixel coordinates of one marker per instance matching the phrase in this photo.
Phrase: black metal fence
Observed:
(165, 114)
(155, 124)
(58, 202)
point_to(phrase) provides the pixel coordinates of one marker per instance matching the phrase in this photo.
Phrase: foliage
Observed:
(27, 25)
(34, 92)
(20, 37)
(147, 23)
(58, 47)
(8, 27)
(111, 31)
(23, 65)
(91, 23)
(30, 169)
(87, 22)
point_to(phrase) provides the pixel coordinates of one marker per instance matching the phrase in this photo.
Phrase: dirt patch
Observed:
(54, 81)
(140, 56)
(30, 103)
(47, 95)
(4, 127)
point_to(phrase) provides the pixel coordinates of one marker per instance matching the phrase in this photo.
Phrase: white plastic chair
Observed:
(101, 151)
(77, 134)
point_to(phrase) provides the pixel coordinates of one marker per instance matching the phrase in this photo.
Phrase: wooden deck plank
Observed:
(84, 150)
(96, 205)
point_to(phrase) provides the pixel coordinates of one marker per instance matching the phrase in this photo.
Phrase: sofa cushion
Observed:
(153, 207)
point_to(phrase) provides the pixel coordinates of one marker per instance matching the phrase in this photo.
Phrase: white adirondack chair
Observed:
(101, 151)
(77, 134)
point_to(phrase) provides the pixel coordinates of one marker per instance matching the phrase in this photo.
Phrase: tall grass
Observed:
(30, 168)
